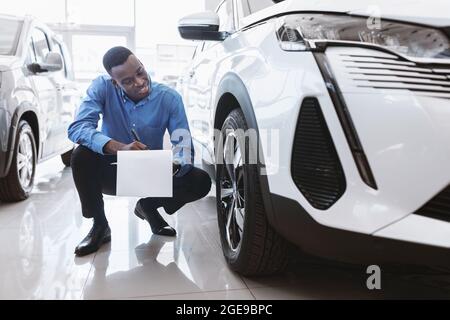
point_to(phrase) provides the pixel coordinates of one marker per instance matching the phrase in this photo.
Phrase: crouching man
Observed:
(129, 102)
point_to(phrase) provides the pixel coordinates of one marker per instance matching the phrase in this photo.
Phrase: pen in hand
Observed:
(176, 165)
(137, 139)
(135, 135)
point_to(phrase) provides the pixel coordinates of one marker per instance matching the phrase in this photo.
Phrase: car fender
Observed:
(20, 110)
(231, 83)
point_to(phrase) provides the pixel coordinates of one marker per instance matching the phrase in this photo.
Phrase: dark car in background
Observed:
(38, 99)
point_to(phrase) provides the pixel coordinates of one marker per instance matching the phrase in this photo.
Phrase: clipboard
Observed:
(145, 174)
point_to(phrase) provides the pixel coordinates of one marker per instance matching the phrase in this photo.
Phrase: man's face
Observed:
(132, 78)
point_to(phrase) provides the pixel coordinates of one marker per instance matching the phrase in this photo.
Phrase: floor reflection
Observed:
(38, 236)
(150, 270)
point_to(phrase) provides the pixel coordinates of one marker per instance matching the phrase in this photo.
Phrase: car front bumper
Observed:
(403, 129)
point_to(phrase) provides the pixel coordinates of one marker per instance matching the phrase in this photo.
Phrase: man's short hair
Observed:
(115, 57)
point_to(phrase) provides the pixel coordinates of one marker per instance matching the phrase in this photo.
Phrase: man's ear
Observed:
(114, 82)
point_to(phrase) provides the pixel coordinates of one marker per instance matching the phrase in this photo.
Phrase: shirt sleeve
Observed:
(180, 136)
(83, 130)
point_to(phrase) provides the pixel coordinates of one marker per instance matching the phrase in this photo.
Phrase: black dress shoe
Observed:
(98, 236)
(158, 225)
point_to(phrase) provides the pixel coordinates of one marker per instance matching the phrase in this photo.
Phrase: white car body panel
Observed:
(432, 13)
(420, 230)
(8, 63)
(207, 18)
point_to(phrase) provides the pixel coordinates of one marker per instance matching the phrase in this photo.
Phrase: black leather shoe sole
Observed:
(167, 231)
(89, 250)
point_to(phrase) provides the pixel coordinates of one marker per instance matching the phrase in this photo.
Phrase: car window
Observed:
(40, 44)
(208, 45)
(31, 57)
(9, 35)
(252, 6)
(198, 49)
(56, 47)
(67, 61)
(225, 12)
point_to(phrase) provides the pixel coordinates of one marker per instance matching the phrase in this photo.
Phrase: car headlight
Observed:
(300, 31)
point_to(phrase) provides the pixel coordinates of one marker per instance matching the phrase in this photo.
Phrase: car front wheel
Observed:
(17, 185)
(250, 245)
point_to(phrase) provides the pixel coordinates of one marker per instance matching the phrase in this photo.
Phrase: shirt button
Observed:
(134, 125)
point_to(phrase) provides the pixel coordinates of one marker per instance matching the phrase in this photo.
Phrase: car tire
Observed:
(254, 247)
(17, 185)
(65, 157)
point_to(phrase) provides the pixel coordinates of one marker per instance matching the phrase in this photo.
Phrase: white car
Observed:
(38, 99)
(356, 97)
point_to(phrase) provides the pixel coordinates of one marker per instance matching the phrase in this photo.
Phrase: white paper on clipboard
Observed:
(144, 174)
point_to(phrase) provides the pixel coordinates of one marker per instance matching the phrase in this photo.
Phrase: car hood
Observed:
(432, 12)
(8, 63)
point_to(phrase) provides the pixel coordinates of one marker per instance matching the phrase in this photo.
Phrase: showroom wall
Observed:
(133, 23)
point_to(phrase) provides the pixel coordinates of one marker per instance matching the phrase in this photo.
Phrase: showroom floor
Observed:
(38, 236)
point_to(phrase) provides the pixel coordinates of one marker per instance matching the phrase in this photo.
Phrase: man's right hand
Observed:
(112, 147)
(134, 146)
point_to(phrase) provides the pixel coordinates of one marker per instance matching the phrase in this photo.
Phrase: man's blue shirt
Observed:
(162, 110)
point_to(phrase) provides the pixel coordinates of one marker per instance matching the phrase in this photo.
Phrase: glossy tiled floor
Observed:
(38, 236)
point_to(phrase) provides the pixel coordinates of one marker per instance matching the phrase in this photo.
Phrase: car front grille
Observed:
(389, 72)
(316, 169)
(438, 207)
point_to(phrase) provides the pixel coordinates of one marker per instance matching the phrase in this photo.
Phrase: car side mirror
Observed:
(53, 62)
(201, 26)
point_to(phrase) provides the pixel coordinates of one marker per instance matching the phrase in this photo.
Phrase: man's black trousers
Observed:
(94, 175)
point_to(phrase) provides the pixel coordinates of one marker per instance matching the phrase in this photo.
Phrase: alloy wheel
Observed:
(25, 161)
(232, 184)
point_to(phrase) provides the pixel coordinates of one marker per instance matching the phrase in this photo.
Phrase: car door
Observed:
(45, 88)
(201, 76)
(188, 85)
(68, 98)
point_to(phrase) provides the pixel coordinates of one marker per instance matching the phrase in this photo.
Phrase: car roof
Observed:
(11, 17)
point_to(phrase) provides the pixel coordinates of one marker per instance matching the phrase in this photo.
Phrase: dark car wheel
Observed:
(17, 185)
(65, 157)
(250, 245)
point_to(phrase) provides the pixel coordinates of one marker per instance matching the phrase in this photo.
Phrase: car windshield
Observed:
(9, 35)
